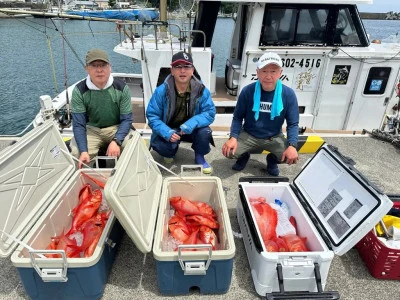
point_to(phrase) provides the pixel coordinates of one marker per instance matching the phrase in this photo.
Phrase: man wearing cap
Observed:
(181, 109)
(101, 110)
(264, 106)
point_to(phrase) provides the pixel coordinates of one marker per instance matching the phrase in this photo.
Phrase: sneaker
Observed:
(168, 160)
(272, 165)
(241, 162)
(200, 160)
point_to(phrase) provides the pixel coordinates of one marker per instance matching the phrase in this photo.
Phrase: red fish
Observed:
(91, 234)
(52, 246)
(202, 220)
(85, 210)
(295, 243)
(208, 236)
(257, 200)
(178, 228)
(90, 250)
(192, 240)
(292, 220)
(68, 245)
(281, 244)
(186, 207)
(205, 208)
(86, 191)
(98, 182)
(267, 219)
(271, 246)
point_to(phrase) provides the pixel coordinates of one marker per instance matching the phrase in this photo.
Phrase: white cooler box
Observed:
(334, 207)
(39, 186)
(136, 191)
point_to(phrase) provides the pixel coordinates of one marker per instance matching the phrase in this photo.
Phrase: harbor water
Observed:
(30, 49)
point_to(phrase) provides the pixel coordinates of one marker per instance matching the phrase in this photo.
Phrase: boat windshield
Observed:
(323, 25)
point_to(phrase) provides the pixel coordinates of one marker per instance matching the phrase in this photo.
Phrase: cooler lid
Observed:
(133, 192)
(32, 172)
(342, 203)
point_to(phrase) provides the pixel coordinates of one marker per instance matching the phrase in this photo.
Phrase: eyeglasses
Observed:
(185, 67)
(99, 66)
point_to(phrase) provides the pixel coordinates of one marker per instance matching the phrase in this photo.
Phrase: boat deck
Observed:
(134, 276)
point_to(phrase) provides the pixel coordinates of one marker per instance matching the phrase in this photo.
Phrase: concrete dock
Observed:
(133, 274)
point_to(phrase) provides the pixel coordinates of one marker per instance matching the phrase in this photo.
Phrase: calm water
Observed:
(26, 70)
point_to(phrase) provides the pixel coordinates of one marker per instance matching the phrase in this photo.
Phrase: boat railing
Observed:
(157, 30)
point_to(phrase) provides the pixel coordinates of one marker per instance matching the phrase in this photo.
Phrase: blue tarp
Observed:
(121, 14)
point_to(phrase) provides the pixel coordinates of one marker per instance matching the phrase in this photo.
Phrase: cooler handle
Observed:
(195, 267)
(282, 295)
(50, 274)
(266, 179)
(192, 167)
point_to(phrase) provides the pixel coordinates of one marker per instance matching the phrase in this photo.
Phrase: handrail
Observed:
(198, 31)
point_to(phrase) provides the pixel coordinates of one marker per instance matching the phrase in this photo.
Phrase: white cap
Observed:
(269, 58)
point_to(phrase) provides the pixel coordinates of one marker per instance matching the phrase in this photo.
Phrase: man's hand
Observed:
(84, 158)
(290, 155)
(229, 147)
(175, 137)
(113, 149)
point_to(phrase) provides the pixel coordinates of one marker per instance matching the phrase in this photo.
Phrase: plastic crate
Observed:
(383, 262)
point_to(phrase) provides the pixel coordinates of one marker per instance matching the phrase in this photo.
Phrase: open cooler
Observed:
(334, 207)
(139, 198)
(39, 186)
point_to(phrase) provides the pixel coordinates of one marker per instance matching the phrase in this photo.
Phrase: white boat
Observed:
(343, 82)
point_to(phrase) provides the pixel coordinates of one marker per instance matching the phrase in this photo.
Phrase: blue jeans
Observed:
(200, 139)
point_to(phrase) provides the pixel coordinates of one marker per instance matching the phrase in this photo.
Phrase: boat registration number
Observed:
(303, 62)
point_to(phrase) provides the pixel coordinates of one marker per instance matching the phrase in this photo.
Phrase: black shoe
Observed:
(241, 162)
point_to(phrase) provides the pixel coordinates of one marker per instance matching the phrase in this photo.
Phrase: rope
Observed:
(52, 64)
(18, 134)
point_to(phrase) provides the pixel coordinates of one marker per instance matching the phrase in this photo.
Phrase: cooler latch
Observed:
(282, 295)
(194, 267)
(50, 274)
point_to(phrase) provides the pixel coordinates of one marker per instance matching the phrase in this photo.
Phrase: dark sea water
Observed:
(26, 69)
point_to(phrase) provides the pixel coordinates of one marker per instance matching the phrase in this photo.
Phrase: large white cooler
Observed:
(39, 186)
(334, 206)
(139, 198)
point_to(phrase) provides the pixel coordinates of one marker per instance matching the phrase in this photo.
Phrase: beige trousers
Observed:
(97, 138)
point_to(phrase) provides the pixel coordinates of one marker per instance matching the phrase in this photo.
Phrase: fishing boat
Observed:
(133, 273)
(343, 82)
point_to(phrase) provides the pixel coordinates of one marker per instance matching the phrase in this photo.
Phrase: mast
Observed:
(163, 17)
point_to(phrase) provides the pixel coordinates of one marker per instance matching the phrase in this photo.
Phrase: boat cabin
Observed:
(342, 81)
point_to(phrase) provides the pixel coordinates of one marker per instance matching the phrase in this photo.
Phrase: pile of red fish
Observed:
(267, 220)
(87, 225)
(193, 223)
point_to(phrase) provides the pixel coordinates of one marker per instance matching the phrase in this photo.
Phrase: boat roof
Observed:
(301, 1)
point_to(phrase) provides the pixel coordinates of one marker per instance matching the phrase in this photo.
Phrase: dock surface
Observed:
(133, 274)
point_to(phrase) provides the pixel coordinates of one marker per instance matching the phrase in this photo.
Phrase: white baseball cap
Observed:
(269, 58)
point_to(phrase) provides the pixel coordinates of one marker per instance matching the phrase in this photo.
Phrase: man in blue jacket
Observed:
(264, 106)
(101, 110)
(181, 109)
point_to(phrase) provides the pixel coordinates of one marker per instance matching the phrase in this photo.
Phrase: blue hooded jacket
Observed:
(161, 108)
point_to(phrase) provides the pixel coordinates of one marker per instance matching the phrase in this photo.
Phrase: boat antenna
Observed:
(187, 6)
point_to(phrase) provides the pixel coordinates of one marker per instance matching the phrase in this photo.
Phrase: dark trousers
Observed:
(200, 139)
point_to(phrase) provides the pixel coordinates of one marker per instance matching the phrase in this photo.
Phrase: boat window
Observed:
(377, 80)
(312, 25)
(345, 33)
